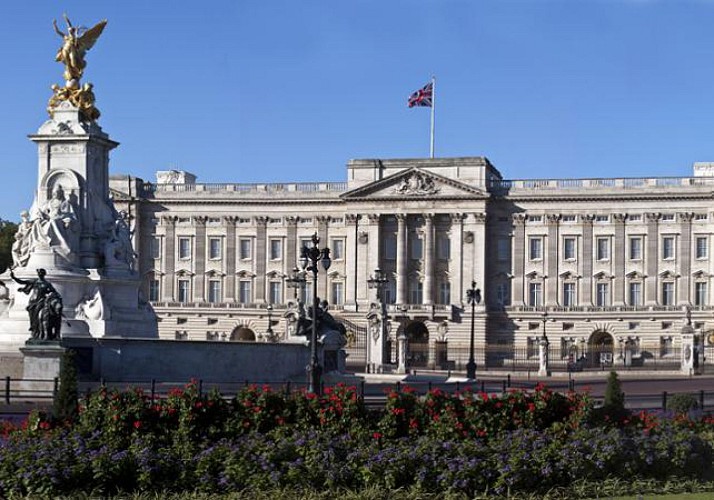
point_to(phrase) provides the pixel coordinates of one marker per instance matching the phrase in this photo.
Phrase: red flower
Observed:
(137, 424)
(44, 425)
(531, 407)
(377, 435)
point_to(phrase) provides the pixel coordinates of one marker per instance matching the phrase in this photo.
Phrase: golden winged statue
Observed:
(76, 42)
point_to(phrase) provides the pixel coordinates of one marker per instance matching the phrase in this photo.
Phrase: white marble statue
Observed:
(54, 226)
(22, 245)
(118, 250)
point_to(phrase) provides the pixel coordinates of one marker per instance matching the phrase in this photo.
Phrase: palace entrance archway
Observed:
(418, 344)
(243, 334)
(601, 349)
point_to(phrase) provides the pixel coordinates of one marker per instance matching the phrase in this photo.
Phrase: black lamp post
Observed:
(474, 297)
(377, 282)
(270, 321)
(309, 258)
(296, 280)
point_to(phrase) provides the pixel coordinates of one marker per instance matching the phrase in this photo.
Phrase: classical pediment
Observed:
(414, 184)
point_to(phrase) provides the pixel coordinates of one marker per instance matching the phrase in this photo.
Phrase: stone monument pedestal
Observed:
(41, 365)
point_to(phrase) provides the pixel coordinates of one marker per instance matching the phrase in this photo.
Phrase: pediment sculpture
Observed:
(417, 184)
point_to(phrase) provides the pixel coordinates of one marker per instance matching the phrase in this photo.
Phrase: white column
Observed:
(199, 288)
(428, 297)
(352, 261)
(402, 278)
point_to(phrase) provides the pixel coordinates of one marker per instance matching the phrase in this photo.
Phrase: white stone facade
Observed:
(610, 261)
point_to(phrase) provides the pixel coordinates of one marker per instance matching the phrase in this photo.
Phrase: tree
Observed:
(614, 404)
(7, 238)
(66, 399)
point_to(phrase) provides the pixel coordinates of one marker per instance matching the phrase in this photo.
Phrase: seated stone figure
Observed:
(55, 226)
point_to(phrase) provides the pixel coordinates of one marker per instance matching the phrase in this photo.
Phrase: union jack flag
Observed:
(423, 96)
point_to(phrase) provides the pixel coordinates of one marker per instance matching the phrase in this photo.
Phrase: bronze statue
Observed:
(77, 41)
(44, 308)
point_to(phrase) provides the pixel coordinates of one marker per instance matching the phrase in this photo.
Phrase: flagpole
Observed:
(433, 107)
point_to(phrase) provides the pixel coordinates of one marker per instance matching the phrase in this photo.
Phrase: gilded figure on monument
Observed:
(76, 42)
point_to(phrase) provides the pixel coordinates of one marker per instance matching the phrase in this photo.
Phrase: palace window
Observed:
(569, 294)
(668, 247)
(214, 248)
(569, 248)
(444, 292)
(338, 293)
(416, 292)
(443, 247)
(390, 292)
(276, 249)
(183, 290)
(503, 294)
(338, 249)
(214, 291)
(636, 248)
(535, 294)
(602, 294)
(603, 249)
(666, 346)
(275, 292)
(503, 249)
(390, 247)
(154, 290)
(244, 292)
(700, 293)
(415, 247)
(701, 247)
(184, 245)
(668, 293)
(635, 293)
(536, 248)
(244, 248)
(155, 248)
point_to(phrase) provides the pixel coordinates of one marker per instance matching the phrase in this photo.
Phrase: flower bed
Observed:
(528, 442)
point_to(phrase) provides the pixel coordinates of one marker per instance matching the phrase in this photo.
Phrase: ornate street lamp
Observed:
(474, 297)
(296, 280)
(270, 321)
(309, 258)
(377, 282)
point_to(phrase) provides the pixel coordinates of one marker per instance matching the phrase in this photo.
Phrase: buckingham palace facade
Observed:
(594, 264)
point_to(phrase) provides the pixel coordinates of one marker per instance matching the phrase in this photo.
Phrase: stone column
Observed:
(551, 291)
(651, 256)
(587, 288)
(402, 278)
(260, 258)
(543, 369)
(169, 258)
(456, 263)
(291, 243)
(351, 261)
(368, 243)
(685, 258)
(618, 258)
(199, 288)
(519, 258)
(428, 297)
(402, 352)
(323, 223)
(229, 262)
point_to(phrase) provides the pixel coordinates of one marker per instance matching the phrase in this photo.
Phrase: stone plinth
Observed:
(41, 365)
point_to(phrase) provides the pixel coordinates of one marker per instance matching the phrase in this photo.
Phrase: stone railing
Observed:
(510, 185)
(274, 188)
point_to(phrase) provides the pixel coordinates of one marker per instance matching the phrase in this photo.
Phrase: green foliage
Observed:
(613, 407)
(682, 402)
(65, 402)
(7, 238)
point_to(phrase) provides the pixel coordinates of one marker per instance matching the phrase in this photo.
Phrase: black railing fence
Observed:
(15, 391)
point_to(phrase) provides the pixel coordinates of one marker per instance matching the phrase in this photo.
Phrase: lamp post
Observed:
(269, 331)
(296, 280)
(473, 295)
(377, 282)
(309, 258)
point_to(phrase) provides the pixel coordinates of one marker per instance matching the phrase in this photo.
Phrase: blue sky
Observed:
(270, 91)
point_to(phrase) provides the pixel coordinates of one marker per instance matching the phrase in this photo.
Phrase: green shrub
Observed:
(682, 402)
(66, 401)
